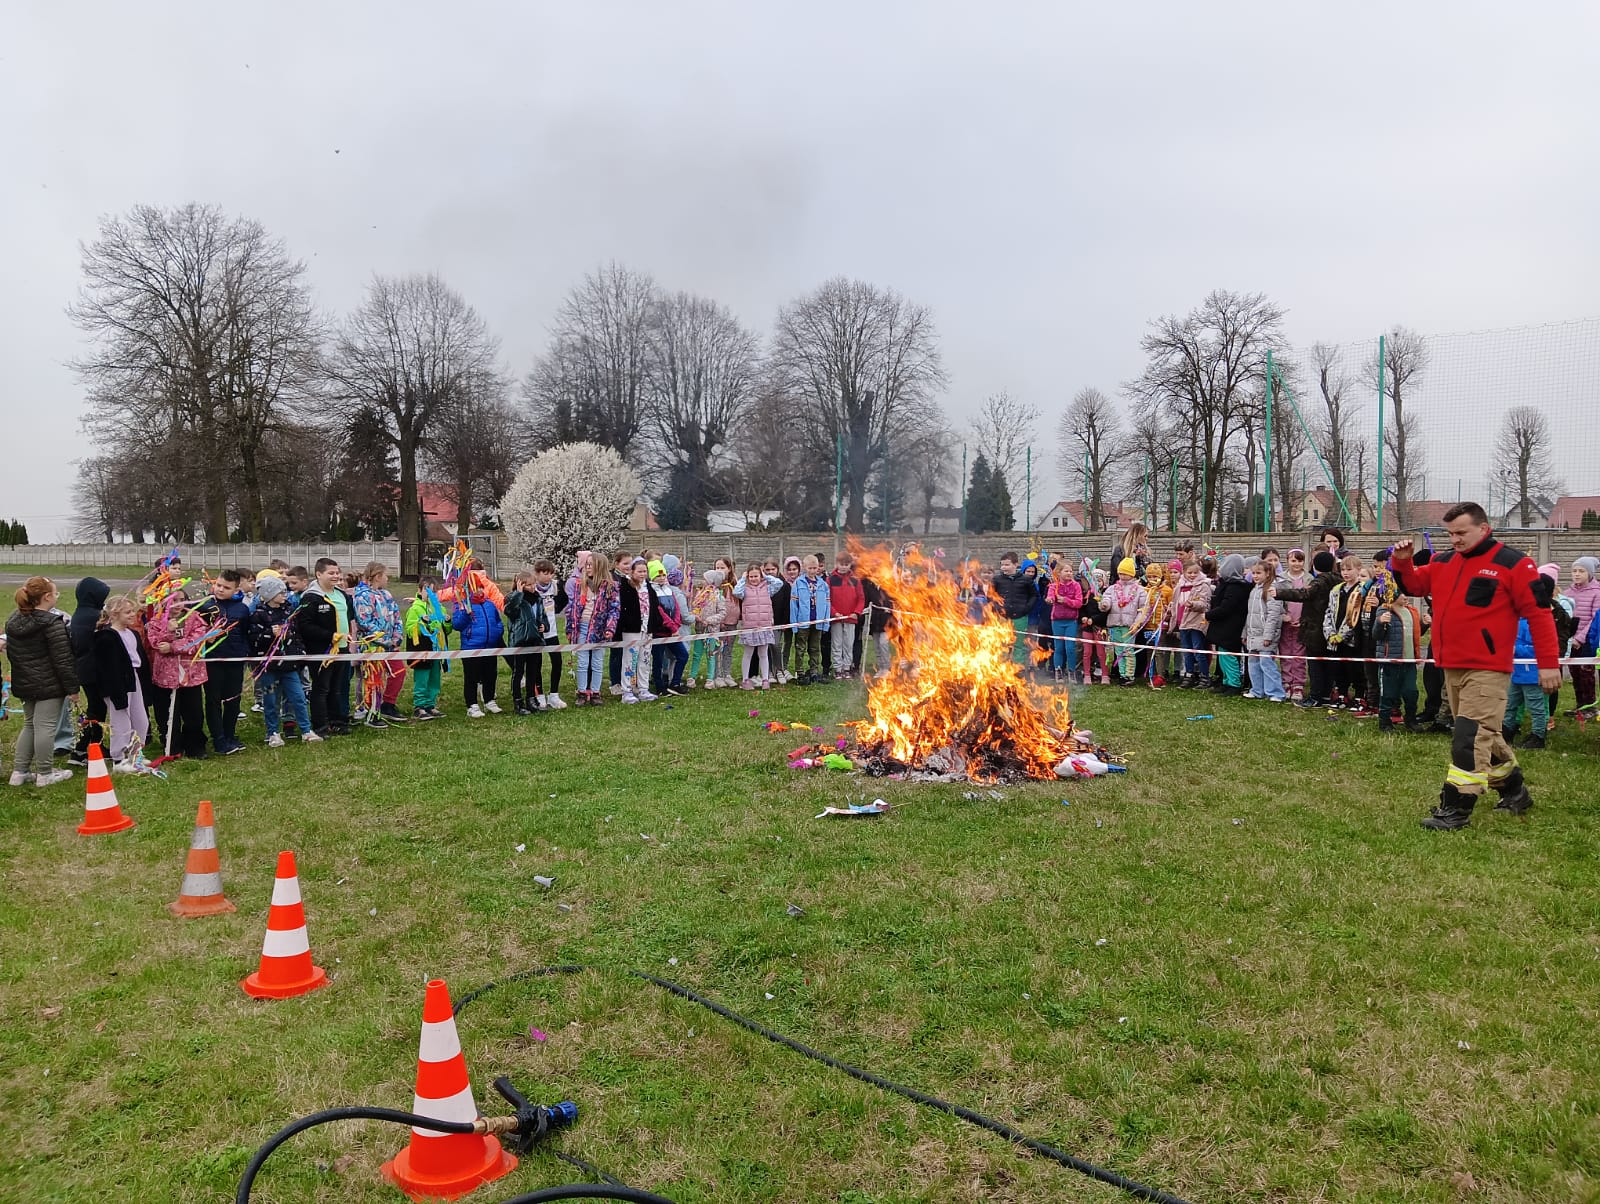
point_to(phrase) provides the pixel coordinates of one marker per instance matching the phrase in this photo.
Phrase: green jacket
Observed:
(424, 627)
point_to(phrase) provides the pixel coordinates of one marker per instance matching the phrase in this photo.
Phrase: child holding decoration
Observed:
(710, 607)
(1124, 605)
(278, 683)
(173, 632)
(478, 620)
(425, 632)
(592, 618)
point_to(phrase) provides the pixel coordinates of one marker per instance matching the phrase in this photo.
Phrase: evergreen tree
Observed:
(988, 499)
(1590, 521)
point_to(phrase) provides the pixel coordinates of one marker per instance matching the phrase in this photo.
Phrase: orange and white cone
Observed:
(286, 968)
(101, 813)
(201, 893)
(442, 1166)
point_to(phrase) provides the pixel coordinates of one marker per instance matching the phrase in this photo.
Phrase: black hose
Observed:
(999, 1128)
(328, 1116)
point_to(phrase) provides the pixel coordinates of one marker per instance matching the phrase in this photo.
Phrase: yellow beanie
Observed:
(1127, 568)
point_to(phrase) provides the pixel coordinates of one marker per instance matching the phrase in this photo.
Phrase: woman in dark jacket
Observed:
(44, 676)
(1230, 605)
(1314, 600)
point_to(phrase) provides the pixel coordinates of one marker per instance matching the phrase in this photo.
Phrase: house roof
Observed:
(1426, 512)
(438, 501)
(1568, 511)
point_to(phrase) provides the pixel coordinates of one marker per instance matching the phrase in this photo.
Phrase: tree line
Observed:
(223, 401)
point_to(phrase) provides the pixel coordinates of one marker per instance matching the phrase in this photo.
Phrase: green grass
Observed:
(1240, 972)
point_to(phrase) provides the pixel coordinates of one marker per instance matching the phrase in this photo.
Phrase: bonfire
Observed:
(957, 707)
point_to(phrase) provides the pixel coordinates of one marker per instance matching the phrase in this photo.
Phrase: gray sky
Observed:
(1046, 180)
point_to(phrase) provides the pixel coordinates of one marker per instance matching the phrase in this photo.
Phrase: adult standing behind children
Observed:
(91, 593)
(1479, 589)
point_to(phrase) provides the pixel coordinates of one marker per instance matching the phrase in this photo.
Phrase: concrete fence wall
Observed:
(208, 556)
(1561, 547)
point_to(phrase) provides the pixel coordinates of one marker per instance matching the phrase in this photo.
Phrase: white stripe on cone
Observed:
(439, 1041)
(285, 944)
(100, 802)
(458, 1107)
(285, 892)
(204, 838)
(202, 885)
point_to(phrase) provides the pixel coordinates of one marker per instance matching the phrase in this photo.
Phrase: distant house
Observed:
(643, 519)
(1567, 513)
(1069, 516)
(438, 505)
(1305, 509)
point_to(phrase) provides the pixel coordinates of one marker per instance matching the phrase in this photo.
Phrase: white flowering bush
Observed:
(577, 495)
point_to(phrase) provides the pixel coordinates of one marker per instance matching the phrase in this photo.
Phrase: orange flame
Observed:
(956, 700)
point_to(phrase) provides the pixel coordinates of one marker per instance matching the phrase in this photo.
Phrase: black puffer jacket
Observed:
(1230, 605)
(1314, 605)
(92, 594)
(114, 674)
(41, 656)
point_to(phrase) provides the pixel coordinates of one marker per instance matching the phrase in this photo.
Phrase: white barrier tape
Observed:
(1208, 650)
(453, 654)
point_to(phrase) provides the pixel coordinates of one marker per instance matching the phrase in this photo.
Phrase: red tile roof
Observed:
(1568, 511)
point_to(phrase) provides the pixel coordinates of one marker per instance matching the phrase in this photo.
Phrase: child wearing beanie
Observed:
(1525, 694)
(1126, 609)
(1158, 600)
(1584, 597)
(1314, 608)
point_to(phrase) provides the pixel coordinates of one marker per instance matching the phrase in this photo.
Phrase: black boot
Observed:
(1514, 796)
(1531, 740)
(1454, 811)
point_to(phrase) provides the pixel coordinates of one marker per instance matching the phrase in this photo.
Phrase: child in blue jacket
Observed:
(481, 626)
(1525, 693)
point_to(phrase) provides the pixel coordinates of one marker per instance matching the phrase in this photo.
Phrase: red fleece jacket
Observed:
(1477, 598)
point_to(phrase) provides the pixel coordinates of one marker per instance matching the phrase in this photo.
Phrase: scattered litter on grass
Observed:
(1025, 995)
(1101, 941)
(755, 714)
(770, 995)
(1066, 802)
(522, 848)
(341, 881)
(1463, 1047)
(537, 1034)
(691, 1032)
(563, 906)
(1197, 718)
(797, 912)
(52, 1013)
(642, 836)
(372, 911)
(672, 961)
(547, 883)
(1097, 823)
(1238, 823)
(1122, 1020)
(876, 807)
(607, 819)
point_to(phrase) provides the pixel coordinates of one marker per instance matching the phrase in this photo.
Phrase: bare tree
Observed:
(1089, 441)
(1405, 359)
(1336, 431)
(475, 448)
(413, 347)
(203, 330)
(1204, 366)
(769, 471)
(592, 385)
(1522, 457)
(929, 450)
(1003, 430)
(700, 383)
(1148, 457)
(854, 357)
(98, 509)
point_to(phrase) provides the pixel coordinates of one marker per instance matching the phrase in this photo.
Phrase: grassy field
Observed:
(1239, 972)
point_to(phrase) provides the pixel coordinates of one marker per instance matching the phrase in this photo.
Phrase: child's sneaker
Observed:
(553, 701)
(492, 707)
(53, 778)
(310, 738)
(474, 711)
(646, 696)
(689, 684)
(629, 698)
(747, 684)
(616, 691)
(21, 779)
(766, 683)
(275, 741)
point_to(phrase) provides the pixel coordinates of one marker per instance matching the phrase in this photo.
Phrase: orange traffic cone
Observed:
(101, 814)
(286, 968)
(443, 1166)
(201, 893)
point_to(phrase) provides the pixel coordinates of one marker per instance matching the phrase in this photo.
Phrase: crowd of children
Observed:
(171, 671)
(1331, 630)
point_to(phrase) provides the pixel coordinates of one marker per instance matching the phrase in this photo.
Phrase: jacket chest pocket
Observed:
(1480, 591)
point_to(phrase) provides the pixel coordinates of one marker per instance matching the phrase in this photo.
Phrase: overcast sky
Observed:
(1047, 177)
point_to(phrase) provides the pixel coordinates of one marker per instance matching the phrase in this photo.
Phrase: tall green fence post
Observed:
(1266, 494)
(838, 482)
(1087, 521)
(1027, 522)
(1380, 441)
(963, 492)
